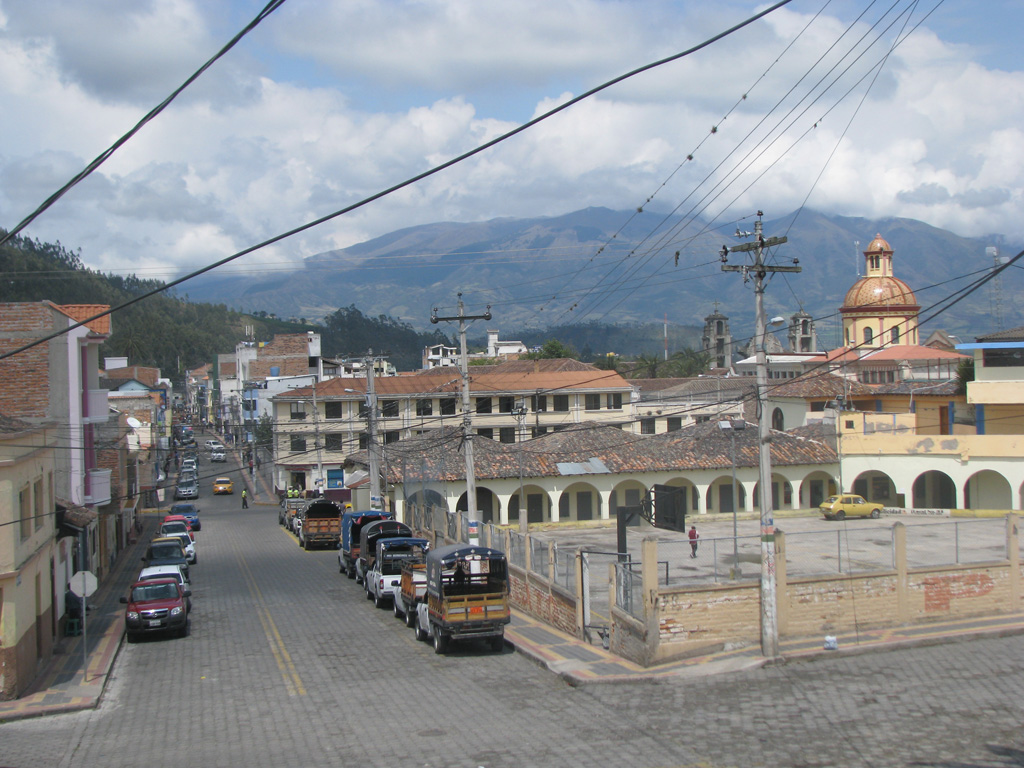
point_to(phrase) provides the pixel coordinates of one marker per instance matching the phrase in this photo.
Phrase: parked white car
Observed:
(214, 445)
(218, 454)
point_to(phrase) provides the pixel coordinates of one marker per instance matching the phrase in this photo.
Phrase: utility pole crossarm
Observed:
(467, 411)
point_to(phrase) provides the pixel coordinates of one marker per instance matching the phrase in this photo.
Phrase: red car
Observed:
(176, 524)
(159, 605)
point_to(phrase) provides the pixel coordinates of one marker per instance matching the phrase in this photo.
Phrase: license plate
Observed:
(154, 622)
(477, 609)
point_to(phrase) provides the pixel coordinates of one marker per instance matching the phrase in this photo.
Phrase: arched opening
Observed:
(869, 335)
(935, 490)
(782, 493)
(538, 505)
(778, 420)
(877, 486)
(629, 493)
(987, 490)
(722, 498)
(815, 488)
(486, 505)
(580, 501)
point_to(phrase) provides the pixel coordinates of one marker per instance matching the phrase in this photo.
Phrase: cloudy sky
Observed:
(858, 108)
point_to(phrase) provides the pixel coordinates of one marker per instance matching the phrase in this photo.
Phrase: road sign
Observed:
(83, 584)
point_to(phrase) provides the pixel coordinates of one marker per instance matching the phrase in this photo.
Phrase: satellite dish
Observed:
(133, 422)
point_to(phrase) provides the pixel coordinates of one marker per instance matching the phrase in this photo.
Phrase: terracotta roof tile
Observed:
(79, 312)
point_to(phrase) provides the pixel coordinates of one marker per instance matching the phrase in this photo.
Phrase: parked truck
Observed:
(466, 597)
(368, 536)
(321, 524)
(289, 508)
(412, 589)
(385, 574)
(351, 527)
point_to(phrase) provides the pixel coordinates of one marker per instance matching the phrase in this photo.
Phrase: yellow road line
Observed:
(292, 681)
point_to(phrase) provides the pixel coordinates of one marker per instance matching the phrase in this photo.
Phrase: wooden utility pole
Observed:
(758, 271)
(467, 410)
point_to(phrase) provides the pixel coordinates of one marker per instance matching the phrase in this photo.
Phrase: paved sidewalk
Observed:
(63, 686)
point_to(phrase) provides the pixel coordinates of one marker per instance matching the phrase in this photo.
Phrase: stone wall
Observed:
(539, 598)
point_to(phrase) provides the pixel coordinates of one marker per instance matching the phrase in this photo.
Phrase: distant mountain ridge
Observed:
(620, 267)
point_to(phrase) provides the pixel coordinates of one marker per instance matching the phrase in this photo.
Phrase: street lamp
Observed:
(732, 426)
(519, 412)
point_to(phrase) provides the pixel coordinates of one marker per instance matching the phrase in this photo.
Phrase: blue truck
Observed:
(351, 527)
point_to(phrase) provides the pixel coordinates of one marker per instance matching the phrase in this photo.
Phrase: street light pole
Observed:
(731, 427)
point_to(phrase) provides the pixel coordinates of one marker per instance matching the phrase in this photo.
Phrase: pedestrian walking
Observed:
(245, 501)
(250, 467)
(693, 540)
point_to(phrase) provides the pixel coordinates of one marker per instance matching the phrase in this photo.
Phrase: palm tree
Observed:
(689, 362)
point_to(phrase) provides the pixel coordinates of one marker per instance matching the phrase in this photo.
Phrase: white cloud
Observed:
(275, 137)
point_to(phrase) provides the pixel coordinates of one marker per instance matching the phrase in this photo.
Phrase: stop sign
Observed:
(83, 583)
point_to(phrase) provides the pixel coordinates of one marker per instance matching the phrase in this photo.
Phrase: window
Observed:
(332, 409)
(483, 405)
(778, 421)
(506, 404)
(675, 423)
(895, 335)
(37, 503)
(869, 336)
(648, 426)
(389, 409)
(391, 437)
(538, 431)
(298, 411)
(507, 434)
(615, 401)
(364, 441)
(334, 441)
(592, 402)
(539, 402)
(1002, 358)
(561, 403)
(486, 432)
(448, 406)
(424, 407)
(25, 511)
(364, 410)
(298, 443)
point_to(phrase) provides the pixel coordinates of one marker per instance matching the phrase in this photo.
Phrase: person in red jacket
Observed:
(693, 540)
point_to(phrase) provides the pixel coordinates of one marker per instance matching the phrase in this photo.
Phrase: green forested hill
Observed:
(174, 334)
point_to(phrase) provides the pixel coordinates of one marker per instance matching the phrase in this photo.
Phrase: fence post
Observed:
(781, 583)
(578, 568)
(899, 552)
(1013, 555)
(527, 553)
(649, 586)
(551, 561)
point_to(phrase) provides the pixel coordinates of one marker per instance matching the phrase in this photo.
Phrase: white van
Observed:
(165, 572)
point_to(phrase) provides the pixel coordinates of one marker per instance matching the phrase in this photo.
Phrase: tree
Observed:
(552, 349)
(265, 431)
(646, 367)
(964, 375)
(689, 362)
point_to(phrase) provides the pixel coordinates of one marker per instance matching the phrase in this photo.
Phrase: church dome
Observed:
(879, 292)
(879, 245)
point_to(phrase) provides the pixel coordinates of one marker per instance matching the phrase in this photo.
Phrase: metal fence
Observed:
(565, 569)
(516, 549)
(539, 555)
(629, 589)
(845, 550)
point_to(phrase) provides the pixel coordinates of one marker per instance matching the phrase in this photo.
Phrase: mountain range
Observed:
(628, 267)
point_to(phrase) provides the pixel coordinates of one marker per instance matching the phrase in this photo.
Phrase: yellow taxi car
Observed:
(223, 485)
(849, 505)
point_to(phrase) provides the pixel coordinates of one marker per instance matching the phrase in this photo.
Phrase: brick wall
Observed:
(536, 597)
(25, 377)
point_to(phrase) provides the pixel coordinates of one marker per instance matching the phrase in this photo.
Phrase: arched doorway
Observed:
(580, 501)
(778, 420)
(874, 485)
(815, 488)
(628, 493)
(486, 504)
(987, 489)
(782, 493)
(538, 505)
(935, 490)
